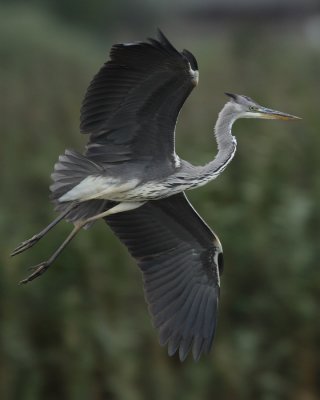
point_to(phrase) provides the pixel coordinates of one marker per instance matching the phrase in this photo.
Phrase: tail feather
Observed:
(69, 171)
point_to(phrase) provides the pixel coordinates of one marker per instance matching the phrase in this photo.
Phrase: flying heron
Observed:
(131, 176)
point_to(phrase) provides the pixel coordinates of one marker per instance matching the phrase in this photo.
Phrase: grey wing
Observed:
(181, 260)
(131, 106)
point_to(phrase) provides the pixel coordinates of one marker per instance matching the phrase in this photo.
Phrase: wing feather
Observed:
(134, 101)
(178, 256)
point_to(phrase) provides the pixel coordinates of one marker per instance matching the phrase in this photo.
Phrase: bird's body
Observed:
(132, 183)
(131, 176)
(115, 188)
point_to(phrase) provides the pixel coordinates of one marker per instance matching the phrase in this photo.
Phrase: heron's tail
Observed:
(69, 171)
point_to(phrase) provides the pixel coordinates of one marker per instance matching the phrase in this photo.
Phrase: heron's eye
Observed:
(253, 108)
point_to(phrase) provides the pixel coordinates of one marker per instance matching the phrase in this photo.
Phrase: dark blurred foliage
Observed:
(98, 16)
(82, 331)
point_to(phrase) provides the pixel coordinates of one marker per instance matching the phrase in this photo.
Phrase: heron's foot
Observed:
(37, 271)
(26, 245)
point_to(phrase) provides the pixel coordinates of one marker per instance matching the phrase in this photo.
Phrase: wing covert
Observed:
(180, 258)
(132, 104)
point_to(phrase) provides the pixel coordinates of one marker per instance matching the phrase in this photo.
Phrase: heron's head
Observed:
(245, 107)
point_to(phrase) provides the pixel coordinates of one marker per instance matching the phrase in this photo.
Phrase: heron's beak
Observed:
(268, 113)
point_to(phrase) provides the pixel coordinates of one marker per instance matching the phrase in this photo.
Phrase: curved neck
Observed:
(190, 176)
(226, 142)
(222, 129)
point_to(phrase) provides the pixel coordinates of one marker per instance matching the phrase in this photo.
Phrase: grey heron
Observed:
(131, 176)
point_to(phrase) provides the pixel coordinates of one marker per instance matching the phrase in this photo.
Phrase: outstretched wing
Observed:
(131, 106)
(181, 260)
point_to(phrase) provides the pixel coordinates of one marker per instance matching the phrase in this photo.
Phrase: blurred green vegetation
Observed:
(82, 331)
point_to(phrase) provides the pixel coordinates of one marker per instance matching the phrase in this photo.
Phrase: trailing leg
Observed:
(42, 267)
(35, 239)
